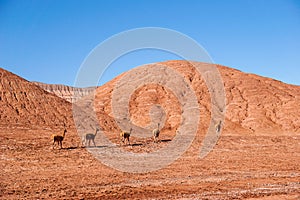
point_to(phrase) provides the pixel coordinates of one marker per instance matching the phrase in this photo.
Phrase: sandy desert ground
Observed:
(239, 167)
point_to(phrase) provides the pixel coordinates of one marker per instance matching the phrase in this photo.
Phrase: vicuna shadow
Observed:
(90, 147)
(137, 144)
(69, 148)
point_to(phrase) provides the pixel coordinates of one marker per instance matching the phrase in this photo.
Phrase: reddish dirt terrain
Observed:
(239, 167)
(257, 155)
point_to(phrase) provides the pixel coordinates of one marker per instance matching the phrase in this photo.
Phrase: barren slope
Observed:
(24, 104)
(254, 104)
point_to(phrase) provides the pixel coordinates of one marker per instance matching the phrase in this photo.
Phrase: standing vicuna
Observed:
(59, 138)
(125, 136)
(87, 138)
(156, 133)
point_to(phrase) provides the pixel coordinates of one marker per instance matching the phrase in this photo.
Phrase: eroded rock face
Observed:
(71, 94)
(261, 104)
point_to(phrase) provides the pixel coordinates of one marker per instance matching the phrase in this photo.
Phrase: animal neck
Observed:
(64, 133)
(96, 132)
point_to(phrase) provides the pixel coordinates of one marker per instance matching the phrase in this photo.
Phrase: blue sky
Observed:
(47, 41)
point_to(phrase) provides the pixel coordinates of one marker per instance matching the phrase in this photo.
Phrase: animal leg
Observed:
(82, 141)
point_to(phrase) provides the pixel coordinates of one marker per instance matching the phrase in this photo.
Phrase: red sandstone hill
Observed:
(24, 104)
(261, 104)
(253, 103)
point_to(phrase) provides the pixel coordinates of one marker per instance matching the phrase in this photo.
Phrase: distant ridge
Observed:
(71, 94)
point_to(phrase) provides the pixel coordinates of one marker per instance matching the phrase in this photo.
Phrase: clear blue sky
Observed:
(47, 41)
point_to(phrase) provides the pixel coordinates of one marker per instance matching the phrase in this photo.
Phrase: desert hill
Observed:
(261, 104)
(253, 103)
(24, 104)
(27, 105)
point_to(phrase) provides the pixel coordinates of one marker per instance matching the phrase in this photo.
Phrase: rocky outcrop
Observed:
(71, 94)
